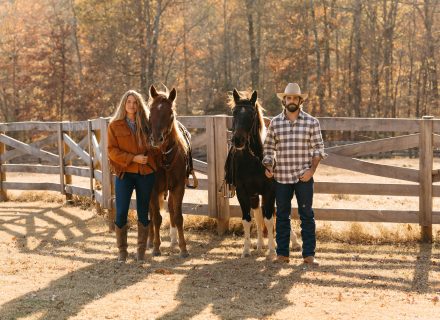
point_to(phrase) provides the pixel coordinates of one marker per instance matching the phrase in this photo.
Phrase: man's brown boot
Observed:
(142, 241)
(310, 260)
(121, 242)
(281, 259)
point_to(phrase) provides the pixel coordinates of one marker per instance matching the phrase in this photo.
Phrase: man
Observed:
(292, 151)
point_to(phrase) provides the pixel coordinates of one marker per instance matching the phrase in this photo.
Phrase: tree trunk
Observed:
(76, 43)
(154, 43)
(251, 10)
(356, 82)
(429, 9)
(320, 90)
(389, 23)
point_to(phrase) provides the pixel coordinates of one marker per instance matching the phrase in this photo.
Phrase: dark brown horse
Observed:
(167, 136)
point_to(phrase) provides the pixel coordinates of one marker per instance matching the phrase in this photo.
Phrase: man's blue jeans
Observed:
(304, 197)
(143, 184)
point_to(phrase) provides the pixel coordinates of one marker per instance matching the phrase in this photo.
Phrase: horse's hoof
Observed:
(156, 253)
(184, 254)
(245, 254)
(271, 254)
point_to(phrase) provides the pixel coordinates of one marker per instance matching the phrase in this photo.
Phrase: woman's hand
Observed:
(140, 158)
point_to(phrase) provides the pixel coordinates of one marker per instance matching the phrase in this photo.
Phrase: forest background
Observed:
(73, 59)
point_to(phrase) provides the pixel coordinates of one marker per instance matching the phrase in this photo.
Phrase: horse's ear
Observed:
(236, 95)
(153, 92)
(254, 97)
(172, 95)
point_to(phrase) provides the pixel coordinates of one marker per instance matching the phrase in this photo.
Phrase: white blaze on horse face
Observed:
(159, 106)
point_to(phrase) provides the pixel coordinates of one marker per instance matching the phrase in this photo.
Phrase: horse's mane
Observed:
(246, 95)
(176, 133)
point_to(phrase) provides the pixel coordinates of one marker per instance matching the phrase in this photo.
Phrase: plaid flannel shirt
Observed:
(290, 146)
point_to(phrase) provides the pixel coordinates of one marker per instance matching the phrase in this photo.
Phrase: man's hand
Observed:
(307, 175)
(269, 173)
(140, 158)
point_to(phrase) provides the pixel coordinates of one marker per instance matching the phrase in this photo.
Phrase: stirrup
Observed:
(195, 181)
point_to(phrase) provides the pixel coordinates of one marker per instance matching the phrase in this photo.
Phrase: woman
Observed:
(132, 162)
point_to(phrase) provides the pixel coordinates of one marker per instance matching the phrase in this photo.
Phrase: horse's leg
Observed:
(268, 206)
(156, 203)
(296, 246)
(258, 215)
(152, 211)
(177, 195)
(150, 233)
(173, 229)
(246, 220)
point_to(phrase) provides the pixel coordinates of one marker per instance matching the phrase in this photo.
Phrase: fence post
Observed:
(68, 177)
(98, 166)
(221, 153)
(3, 194)
(211, 159)
(61, 155)
(425, 173)
(91, 166)
(107, 180)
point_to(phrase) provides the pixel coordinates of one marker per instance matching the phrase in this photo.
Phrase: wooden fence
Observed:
(57, 152)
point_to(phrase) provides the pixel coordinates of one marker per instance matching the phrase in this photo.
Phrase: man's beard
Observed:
(291, 107)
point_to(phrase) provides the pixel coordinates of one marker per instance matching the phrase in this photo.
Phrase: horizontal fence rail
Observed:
(79, 149)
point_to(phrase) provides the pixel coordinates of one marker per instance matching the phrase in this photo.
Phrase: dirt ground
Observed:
(58, 262)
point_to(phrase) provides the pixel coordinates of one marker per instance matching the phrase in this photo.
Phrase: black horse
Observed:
(246, 173)
(244, 170)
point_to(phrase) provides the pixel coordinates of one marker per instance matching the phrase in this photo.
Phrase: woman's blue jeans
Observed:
(304, 197)
(143, 184)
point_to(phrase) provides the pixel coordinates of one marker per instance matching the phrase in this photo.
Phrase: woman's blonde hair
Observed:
(142, 115)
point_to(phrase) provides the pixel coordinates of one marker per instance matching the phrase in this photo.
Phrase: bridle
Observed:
(251, 131)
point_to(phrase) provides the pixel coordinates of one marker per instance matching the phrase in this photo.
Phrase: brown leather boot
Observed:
(310, 260)
(142, 241)
(121, 242)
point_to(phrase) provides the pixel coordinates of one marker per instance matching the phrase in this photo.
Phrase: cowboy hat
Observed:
(292, 89)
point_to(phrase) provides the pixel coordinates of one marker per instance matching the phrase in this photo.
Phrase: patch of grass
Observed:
(84, 203)
(341, 197)
(368, 233)
(32, 196)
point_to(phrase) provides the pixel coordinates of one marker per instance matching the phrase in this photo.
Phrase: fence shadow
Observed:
(213, 277)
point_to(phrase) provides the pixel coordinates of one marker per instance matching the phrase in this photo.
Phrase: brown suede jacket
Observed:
(123, 147)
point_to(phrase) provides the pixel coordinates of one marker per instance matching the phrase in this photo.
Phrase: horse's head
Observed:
(162, 114)
(245, 118)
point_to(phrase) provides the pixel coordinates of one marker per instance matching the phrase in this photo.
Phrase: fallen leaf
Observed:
(163, 271)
